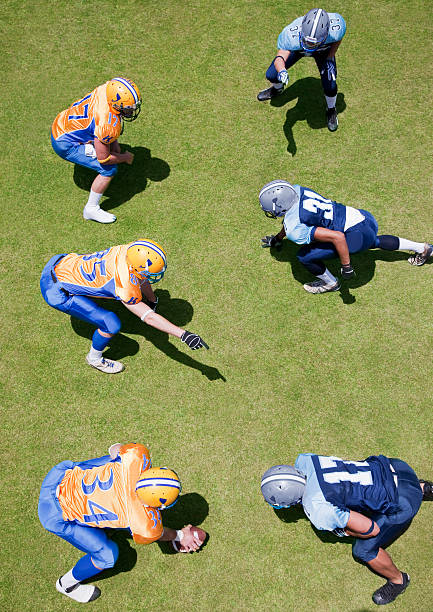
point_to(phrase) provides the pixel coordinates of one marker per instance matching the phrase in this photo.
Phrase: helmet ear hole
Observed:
(147, 260)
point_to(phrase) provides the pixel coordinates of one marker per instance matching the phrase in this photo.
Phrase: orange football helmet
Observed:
(147, 259)
(124, 97)
(158, 487)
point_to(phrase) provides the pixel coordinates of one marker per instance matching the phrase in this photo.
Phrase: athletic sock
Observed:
(331, 101)
(327, 277)
(68, 580)
(99, 342)
(277, 85)
(409, 245)
(94, 355)
(94, 199)
(84, 569)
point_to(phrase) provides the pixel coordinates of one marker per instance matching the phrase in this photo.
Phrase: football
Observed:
(198, 533)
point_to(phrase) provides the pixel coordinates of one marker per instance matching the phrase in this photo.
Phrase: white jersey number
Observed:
(362, 477)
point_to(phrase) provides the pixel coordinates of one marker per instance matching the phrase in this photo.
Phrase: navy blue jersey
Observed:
(357, 485)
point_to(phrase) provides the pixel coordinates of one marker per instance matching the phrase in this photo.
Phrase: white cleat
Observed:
(319, 286)
(419, 259)
(97, 214)
(83, 593)
(109, 366)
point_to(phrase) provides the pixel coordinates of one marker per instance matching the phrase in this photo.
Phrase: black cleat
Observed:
(332, 119)
(269, 93)
(427, 493)
(390, 591)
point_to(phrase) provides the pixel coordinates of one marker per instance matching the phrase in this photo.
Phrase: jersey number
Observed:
(90, 276)
(362, 477)
(104, 515)
(315, 202)
(81, 109)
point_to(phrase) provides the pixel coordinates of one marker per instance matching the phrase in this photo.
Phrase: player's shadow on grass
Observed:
(310, 107)
(296, 513)
(191, 508)
(129, 180)
(364, 264)
(177, 311)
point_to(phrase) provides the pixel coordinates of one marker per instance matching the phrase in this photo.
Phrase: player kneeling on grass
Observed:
(327, 229)
(373, 501)
(78, 500)
(126, 273)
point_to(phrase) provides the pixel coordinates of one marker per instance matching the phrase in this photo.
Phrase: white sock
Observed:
(94, 355)
(68, 580)
(327, 277)
(277, 85)
(94, 199)
(330, 101)
(409, 245)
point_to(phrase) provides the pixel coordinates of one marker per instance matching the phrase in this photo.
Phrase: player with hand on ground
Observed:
(327, 229)
(86, 133)
(374, 501)
(124, 272)
(317, 34)
(121, 490)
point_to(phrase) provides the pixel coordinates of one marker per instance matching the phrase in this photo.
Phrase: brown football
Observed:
(199, 533)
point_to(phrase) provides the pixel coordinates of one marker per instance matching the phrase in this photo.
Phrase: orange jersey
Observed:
(87, 119)
(103, 274)
(104, 496)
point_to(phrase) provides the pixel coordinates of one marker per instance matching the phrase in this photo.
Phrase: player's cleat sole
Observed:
(109, 366)
(320, 286)
(332, 119)
(98, 215)
(267, 94)
(390, 591)
(83, 593)
(419, 259)
(427, 493)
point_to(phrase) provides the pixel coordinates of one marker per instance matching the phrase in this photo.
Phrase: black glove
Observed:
(271, 241)
(152, 305)
(347, 271)
(193, 340)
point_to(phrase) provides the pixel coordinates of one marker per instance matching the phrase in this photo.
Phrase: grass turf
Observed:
(343, 374)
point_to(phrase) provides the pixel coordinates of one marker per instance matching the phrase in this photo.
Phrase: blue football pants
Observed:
(78, 306)
(329, 85)
(392, 525)
(75, 153)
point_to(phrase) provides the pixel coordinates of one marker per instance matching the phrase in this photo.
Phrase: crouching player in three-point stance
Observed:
(86, 133)
(327, 229)
(373, 501)
(120, 490)
(125, 273)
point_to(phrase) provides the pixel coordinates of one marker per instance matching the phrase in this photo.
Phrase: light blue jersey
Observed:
(289, 37)
(324, 515)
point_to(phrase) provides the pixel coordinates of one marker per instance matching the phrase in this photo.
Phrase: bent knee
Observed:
(109, 170)
(111, 323)
(106, 557)
(363, 553)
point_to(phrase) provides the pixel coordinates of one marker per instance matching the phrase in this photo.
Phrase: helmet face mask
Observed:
(314, 30)
(277, 197)
(282, 486)
(124, 97)
(147, 260)
(158, 487)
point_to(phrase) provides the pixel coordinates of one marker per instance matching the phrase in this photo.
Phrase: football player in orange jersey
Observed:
(78, 500)
(86, 133)
(124, 272)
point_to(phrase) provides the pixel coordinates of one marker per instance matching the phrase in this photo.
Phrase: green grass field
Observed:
(345, 374)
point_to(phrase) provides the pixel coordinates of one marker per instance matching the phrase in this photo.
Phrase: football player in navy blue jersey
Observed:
(327, 229)
(373, 501)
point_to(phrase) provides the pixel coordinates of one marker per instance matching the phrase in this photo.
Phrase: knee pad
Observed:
(107, 556)
(112, 324)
